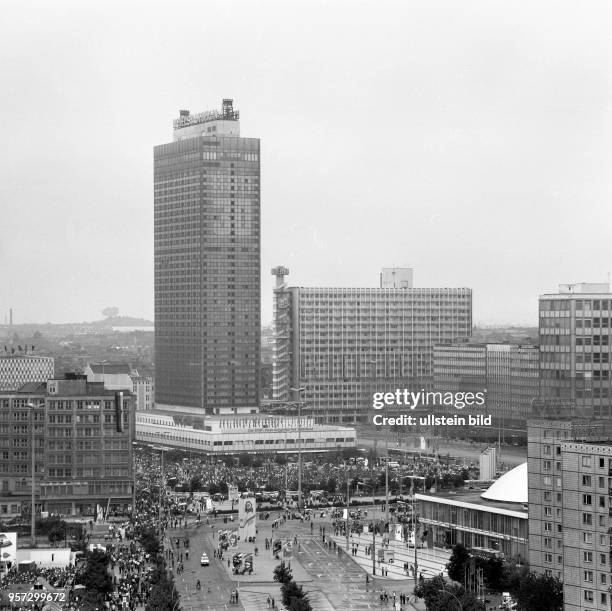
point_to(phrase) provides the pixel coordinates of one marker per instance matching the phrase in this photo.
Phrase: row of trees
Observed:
(529, 590)
(292, 594)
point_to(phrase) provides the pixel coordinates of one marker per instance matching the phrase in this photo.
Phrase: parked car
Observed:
(204, 561)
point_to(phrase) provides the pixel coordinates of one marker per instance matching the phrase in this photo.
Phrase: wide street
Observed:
(332, 578)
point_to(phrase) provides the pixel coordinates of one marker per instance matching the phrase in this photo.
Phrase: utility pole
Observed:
(33, 452)
(347, 508)
(161, 486)
(299, 404)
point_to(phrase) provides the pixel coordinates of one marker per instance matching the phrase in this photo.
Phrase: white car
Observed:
(204, 561)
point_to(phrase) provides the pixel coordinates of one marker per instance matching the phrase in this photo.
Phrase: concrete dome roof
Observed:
(510, 487)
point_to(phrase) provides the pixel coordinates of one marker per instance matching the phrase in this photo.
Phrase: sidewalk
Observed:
(431, 562)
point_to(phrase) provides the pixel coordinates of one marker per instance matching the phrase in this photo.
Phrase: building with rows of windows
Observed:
(508, 372)
(335, 347)
(575, 364)
(570, 507)
(238, 433)
(207, 264)
(82, 436)
(491, 523)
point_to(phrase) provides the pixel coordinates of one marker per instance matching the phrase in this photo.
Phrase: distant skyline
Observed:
(470, 141)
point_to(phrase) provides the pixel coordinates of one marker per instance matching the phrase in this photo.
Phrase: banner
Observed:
(399, 534)
(246, 518)
(8, 547)
(232, 493)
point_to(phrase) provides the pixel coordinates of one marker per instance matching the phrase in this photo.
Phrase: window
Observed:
(586, 461)
(587, 537)
(587, 556)
(587, 518)
(548, 558)
(586, 480)
(588, 596)
(602, 559)
(548, 511)
(587, 499)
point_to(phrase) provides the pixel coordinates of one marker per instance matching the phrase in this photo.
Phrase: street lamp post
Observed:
(33, 452)
(297, 391)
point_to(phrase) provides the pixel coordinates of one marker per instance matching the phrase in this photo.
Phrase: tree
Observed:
(96, 576)
(494, 573)
(164, 596)
(57, 532)
(110, 312)
(282, 573)
(457, 563)
(149, 541)
(195, 484)
(331, 485)
(538, 593)
(439, 595)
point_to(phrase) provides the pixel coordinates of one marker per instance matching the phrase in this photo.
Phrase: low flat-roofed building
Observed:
(237, 433)
(491, 522)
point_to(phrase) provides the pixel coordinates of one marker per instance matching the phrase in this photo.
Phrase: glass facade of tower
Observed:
(575, 363)
(207, 269)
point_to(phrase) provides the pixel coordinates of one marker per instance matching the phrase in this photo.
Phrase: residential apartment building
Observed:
(335, 347)
(575, 363)
(18, 369)
(83, 436)
(207, 264)
(508, 372)
(570, 506)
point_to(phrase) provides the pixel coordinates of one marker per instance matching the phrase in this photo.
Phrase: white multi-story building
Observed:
(334, 347)
(18, 369)
(237, 433)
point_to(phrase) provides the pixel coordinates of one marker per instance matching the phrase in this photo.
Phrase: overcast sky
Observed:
(469, 139)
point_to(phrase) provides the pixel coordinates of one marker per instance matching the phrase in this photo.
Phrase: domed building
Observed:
(493, 521)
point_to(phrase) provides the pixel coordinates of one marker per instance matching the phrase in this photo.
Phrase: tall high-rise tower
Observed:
(207, 264)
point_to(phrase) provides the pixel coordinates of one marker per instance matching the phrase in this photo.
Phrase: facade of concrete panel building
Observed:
(570, 502)
(575, 349)
(508, 373)
(340, 345)
(83, 436)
